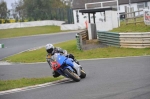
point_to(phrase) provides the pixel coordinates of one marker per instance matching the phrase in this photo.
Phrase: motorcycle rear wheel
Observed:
(72, 75)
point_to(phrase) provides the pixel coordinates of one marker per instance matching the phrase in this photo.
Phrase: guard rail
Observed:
(128, 40)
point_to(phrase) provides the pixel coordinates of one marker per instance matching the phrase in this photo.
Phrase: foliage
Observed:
(37, 9)
(1, 21)
(3, 9)
(7, 21)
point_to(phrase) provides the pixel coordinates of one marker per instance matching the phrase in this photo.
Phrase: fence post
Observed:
(134, 18)
(79, 41)
(126, 15)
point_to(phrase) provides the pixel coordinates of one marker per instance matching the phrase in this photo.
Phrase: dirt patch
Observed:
(93, 44)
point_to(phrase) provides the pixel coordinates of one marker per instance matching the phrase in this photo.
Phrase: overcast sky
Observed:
(9, 2)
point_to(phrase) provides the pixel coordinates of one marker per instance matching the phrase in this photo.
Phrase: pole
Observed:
(130, 3)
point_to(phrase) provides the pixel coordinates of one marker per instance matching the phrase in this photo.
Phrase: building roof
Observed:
(96, 10)
(80, 4)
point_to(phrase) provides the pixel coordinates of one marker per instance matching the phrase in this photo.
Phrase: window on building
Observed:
(140, 5)
(77, 16)
(146, 4)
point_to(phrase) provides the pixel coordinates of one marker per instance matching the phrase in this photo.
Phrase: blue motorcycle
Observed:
(67, 67)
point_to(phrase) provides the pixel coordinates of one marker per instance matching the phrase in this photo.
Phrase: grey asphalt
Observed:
(16, 45)
(118, 78)
(17, 71)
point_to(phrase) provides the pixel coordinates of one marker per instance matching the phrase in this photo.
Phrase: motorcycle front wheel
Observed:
(72, 75)
(83, 74)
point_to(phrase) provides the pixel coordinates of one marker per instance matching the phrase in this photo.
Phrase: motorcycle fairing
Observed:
(77, 67)
(55, 65)
(60, 58)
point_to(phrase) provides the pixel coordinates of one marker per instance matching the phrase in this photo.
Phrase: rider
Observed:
(51, 50)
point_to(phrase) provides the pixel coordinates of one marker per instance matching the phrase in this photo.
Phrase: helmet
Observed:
(49, 48)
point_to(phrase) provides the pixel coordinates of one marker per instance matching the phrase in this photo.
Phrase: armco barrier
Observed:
(128, 40)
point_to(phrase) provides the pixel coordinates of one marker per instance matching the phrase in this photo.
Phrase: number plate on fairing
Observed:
(55, 65)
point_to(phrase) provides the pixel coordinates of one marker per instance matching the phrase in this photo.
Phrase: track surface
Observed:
(119, 78)
(16, 45)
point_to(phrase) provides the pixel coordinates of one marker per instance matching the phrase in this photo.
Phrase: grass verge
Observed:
(108, 52)
(139, 27)
(11, 84)
(8, 33)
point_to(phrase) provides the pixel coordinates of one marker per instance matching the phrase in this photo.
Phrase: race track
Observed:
(114, 78)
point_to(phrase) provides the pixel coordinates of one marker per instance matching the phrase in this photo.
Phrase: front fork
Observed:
(77, 68)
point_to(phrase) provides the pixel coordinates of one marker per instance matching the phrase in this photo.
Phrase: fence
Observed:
(128, 40)
(133, 17)
(81, 39)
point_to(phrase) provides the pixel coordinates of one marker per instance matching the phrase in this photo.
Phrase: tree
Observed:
(67, 2)
(14, 12)
(18, 10)
(3, 9)
(39, 9)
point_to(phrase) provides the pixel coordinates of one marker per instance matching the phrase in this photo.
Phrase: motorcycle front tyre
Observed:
(83, 74)
(72, 75)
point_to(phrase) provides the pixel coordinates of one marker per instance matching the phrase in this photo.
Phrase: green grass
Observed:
(139, 27)
(11, 84)
(8, 33)
(108, 52)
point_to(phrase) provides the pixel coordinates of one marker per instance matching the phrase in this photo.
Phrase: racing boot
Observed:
(55, 74)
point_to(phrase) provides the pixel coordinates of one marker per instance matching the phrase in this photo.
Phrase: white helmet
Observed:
(49, 48)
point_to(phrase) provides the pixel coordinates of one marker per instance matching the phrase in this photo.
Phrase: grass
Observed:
(108, 52)
(8, 33)
(11, 84)
(139, 27)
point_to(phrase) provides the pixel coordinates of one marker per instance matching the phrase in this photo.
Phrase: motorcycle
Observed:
(67, 67)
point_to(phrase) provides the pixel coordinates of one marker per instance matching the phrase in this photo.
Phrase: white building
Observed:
(79, 18)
